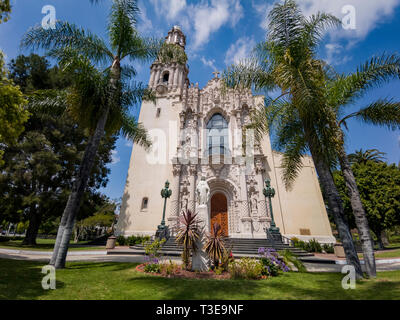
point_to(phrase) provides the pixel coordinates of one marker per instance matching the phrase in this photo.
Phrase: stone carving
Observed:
(203, 192)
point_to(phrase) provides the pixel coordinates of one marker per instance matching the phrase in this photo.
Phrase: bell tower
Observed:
(170, 78)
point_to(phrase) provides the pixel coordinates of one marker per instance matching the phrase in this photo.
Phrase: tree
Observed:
(379, 185)
(97, 98)
(5, 10)
(33, 73)
(36, 177)
(286, 61)
(362, 157)
(13, 114)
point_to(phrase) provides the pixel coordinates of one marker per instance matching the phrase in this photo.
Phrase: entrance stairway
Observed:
(239, 247)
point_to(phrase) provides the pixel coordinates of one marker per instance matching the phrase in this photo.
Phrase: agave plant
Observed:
(188, 235)
(215, 246)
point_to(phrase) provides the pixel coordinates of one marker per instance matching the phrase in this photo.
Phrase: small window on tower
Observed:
(145, 204)
(166, 77)
(158, 112)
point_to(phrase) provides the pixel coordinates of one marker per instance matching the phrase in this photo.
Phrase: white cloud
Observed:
(114, 156)
(239, 50)
(209, 63)
(170, 9)
(202, 19)
(369, 14)
(334, 54)
(210, 17)
(262, 8)
(128, 144)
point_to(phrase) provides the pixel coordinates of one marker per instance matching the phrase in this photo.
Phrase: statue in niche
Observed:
(254, 204)
(185, 203)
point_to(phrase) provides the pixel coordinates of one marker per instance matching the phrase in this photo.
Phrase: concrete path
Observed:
(101, 256)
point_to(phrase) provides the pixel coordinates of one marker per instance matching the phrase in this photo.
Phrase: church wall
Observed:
(302, 206)
(146, 179)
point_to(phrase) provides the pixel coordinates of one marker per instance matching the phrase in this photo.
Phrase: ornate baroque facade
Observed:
(199, 133)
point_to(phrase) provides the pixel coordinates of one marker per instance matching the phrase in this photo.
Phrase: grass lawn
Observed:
(85, 280)
(47, 245)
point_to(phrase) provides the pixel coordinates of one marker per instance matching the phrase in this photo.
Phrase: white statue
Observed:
(203, 192)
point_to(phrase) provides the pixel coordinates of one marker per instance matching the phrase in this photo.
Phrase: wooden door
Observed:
(219, 212)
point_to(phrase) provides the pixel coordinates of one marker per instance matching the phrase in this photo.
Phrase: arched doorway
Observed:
(219, 212)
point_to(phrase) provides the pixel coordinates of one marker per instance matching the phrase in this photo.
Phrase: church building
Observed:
(200, 133)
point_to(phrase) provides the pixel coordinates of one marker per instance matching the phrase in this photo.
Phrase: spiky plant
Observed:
(188, 235)
(215, 246)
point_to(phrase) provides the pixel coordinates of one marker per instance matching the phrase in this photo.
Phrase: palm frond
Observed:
(66, 35)
(135, 131)
(384, 113)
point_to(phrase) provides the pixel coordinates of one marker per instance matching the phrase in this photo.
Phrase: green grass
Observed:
(47, 245)
(85, 280)
(385, 254)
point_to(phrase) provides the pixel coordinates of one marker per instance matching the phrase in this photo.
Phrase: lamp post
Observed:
(269, 193)
(165, 194)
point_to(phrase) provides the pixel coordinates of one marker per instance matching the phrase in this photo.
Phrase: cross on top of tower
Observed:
(216, 74)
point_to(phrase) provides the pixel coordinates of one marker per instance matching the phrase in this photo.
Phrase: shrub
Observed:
(215, 247)
(328, 248)
(271, 261)
(169, 268)
(152, 268)
(315, 246)
(288, 257)
(121, 241)
(152, 249)
(245, 268)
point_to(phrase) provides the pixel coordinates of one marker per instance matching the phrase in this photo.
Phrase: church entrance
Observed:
(219, 212)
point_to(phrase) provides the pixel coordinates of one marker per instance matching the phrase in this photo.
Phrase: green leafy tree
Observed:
(5, 10)
(13, 114)
(36, 177)
(379, 185)
(33, 73)
(97, 99)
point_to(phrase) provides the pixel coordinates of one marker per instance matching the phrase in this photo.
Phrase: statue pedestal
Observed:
(247, 227)
(200, 260)
(202, 214)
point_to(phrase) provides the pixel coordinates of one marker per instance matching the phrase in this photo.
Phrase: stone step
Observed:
(241, 247)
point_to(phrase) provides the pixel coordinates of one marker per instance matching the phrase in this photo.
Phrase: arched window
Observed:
(145, 204)
(217, 136)
(165, 77)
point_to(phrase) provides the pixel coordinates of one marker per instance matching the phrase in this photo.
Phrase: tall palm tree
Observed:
(286, 61)
(342, 91)
(362, 157)
(101, 93)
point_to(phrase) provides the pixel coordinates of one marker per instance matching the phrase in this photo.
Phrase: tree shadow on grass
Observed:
(308, 287)
(22, 279)
(110, 266)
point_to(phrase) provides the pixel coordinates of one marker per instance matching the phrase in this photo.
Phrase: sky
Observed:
(222, 32)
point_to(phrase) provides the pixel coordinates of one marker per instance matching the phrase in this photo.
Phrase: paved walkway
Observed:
(101, 256)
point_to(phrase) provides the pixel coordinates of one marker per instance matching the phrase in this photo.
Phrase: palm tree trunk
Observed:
(75, 198)
(359, 214)
(74, 201)
(336, 207)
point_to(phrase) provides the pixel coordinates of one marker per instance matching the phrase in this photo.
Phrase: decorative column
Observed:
(174, 217)
(262, 207)
(192, 181)
(176, 74)
(152, 77)
(158, 74)
(246, 219)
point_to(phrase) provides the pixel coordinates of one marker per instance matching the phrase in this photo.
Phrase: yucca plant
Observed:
(188, 235)
(215, 246)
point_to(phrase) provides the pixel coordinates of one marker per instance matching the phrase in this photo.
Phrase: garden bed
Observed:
(180, 273)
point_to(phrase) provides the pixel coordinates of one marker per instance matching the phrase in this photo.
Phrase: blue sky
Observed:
(220, 32)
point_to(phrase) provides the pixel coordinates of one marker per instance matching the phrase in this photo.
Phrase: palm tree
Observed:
(97, 98)
(286, 62)
(362, 157)
(343, 90)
